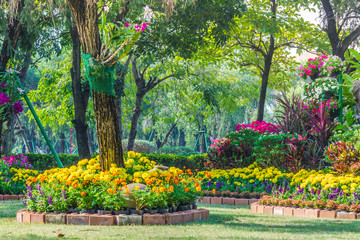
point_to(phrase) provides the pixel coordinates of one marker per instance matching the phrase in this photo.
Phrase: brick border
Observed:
(194, 215)
(6, 197)
(303, 212)
(227, 201)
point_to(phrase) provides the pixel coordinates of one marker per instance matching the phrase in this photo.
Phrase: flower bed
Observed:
(14, 171)
(237, 181)
(24, 216)
(85, 188)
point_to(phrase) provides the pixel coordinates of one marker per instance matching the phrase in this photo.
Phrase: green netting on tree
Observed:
(100, 77)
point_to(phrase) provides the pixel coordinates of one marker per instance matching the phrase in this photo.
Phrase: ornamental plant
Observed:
(321, 66)
(14, 172)
(343, 155)
(10, 96)
(260, 127)
(321, 87)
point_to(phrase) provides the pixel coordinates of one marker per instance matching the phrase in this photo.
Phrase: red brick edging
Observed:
(228, 201)
(303, 212)
(24, 216)
(5, 197)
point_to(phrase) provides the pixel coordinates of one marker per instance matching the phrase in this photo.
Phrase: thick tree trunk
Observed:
(110, 150)
(81, 97)
(135, 119)
(107, 128)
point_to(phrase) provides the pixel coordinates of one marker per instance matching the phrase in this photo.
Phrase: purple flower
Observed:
(3, 85)
(49, 200)
(4, 98)
(18, 107)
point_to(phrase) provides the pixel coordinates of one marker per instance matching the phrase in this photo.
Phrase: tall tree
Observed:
(261, 42)
(179, 34)
(341, 23)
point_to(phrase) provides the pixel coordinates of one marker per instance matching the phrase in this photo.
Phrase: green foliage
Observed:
(181, 151)
(43, 162)
(170, 160)
(271, 150)
(140, 146)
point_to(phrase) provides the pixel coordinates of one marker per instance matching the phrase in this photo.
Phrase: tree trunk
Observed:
(167, 136)
(107, 128)
(62, 143)
(182, 141)
(81, 98)
(91, 142)
(135, 119)
(267, 68)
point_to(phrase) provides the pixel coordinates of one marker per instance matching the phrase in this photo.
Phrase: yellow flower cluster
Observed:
(22, 174)
(320, 180)
(250, 173)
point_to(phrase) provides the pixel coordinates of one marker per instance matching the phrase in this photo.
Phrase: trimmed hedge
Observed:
(46, 161)
(171, 160)
(42, 162)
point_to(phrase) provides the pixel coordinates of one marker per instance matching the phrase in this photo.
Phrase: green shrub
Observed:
(47, 161)
(170, 160)
(181, 151)
(140, 146)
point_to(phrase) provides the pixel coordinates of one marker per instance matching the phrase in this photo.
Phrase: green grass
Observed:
(224, 223)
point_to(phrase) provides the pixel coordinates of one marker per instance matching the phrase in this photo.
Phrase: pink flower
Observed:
(127, 24)
(143, 26)
(3, 85)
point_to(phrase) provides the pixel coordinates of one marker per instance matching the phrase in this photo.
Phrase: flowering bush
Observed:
(321, 66)
(260, 127)
(9, 95)
(14, 171)
(320, 86)
(85, 186)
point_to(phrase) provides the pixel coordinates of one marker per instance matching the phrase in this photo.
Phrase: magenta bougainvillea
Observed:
(259, 126)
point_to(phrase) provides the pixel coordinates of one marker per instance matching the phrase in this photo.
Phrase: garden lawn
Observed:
(224, 223)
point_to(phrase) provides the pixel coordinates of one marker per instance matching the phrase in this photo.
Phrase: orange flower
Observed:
(167, 179)
(196, 169)
(176, 181)
(162, 189)
(171, 188)
(109, 190)
(207, 174)
(83, 193)
(214, 191)
(198, 189)
(187, 189)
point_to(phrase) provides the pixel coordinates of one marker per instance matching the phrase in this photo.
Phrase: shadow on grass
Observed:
(268, 223)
